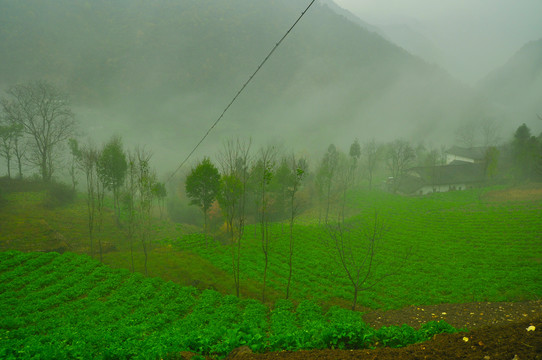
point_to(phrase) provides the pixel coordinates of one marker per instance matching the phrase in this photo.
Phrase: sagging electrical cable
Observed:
(241, 90)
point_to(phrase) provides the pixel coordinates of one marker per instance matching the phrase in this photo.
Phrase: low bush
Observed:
(59, 194)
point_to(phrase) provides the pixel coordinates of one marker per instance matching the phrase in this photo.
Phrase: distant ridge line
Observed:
(240, 91)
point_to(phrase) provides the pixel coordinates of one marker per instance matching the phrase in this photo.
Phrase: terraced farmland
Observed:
(70, 306)
(462, 250)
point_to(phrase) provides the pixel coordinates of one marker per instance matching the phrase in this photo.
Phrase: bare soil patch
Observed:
(497, 331)
(527, 192)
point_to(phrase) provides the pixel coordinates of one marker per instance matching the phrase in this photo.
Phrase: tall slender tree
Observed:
(355, 155)
(371, 154)
(298, 171)
(525, 152)
(327, 173)
(400, 156)
(129, 201)
(112, 167)
(263, 173)
(202, 187)
(234, 161)
(88, 156)
(145, 181)
(75, 153)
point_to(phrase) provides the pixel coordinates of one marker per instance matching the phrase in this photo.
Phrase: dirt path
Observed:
(469, 315)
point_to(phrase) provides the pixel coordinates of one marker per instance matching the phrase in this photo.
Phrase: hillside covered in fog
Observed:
(160, 72)
(517, 85)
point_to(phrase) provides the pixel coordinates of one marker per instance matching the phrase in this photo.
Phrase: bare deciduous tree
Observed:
(490, 132)
(145, 182)
(327, 173)
(9, 144)
(357, 255)
(355, 155)
(44, 113)
(88, 156)
(371, 154)
(399, 157)
(129, 201)
(344, 180)
(234, 162)
(298, 170)
(264, 170)
(465, 135)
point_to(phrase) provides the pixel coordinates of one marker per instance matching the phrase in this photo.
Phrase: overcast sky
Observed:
(476, 36)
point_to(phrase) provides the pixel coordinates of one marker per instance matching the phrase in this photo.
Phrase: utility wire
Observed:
(241, 90)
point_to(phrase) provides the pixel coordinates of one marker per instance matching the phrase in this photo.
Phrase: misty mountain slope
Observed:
(162, 71)
(517, 85)
(414, 42)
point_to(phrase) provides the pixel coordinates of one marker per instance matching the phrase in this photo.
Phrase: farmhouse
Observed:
(457, 175)
(474, 155)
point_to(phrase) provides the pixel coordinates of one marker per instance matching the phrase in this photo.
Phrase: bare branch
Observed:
(360, 262)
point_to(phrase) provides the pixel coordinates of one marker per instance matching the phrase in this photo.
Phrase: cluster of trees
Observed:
(526, 152)
(36, 120)
(36, 124)
(265, 185)
(131, 181)
(259, 187)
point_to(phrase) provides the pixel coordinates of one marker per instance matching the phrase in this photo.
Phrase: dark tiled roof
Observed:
(456, 173)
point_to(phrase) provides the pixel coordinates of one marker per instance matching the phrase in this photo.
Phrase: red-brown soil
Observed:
(527, 192)
(497, 331)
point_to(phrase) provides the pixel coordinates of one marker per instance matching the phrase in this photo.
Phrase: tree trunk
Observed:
(132, 251)
(8, 160)
(290, 263)
(238, 269)
(205, 228)
(328, 201)
(43, 166)
(100, 246)
(233, 255)
(355, 298)
(290, 259)
(20, 165)
(91, 242)
(145, 253)
(264, 277)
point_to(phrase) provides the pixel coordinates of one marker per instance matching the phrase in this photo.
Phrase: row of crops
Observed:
(461, 250)
(71, 307)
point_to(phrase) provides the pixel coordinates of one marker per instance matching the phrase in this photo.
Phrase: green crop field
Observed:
(72, 307)
(463, 247)
(461, 250)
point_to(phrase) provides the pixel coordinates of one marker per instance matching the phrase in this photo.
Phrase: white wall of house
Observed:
(428, 189)
(452, 157)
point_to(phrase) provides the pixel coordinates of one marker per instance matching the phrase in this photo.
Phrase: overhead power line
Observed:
(241, 90)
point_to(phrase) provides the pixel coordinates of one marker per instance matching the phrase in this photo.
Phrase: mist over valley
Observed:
(159, 74)
(241, 179)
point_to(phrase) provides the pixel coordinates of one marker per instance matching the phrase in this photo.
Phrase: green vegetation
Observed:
(462, 250)
(465, 246)
(70, 306)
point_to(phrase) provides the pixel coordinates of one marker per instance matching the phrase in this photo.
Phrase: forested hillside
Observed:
(178, 63)
(517, 85)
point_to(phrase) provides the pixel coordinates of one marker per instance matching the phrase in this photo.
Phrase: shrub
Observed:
(59, 194)
(182, 212)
